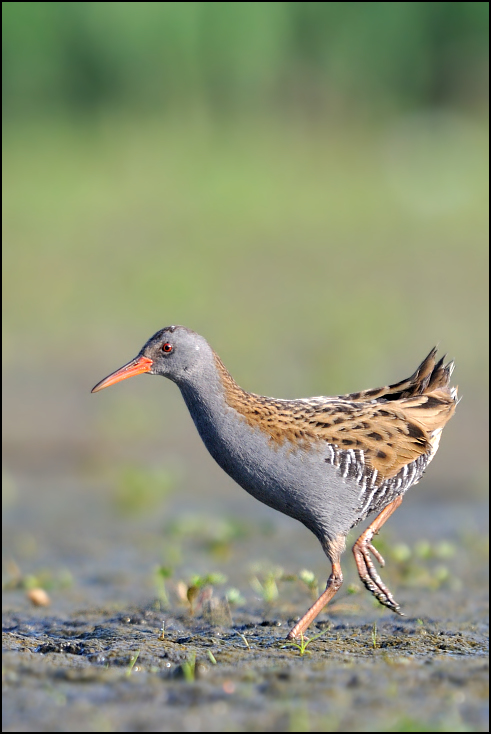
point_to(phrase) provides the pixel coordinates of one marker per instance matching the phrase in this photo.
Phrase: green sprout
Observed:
(188, 668)
(374, 636)
(305, 642)
(192, 590)
(131, 665)
(243, 638)
(267, 588)
(211, 579)
(138, 490)
(215, 535)
(233, 596)
(162, 573)
(44, 579)
(310, 581)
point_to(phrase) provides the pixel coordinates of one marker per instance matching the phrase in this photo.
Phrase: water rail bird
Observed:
(328, 462)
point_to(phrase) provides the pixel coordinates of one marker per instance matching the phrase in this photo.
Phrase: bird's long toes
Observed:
(388, 601)
(375, 585)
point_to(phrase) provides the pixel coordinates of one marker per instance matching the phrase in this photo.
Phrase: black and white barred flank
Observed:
(375, 492)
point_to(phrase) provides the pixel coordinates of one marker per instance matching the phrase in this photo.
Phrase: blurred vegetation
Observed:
(303, 183)
(140, 490)
(360, 242)
(234, 56)
(214, 535)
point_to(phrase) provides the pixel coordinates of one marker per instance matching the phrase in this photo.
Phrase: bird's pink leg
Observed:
(333, 584)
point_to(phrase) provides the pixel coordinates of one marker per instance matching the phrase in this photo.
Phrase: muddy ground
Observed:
(171, 615)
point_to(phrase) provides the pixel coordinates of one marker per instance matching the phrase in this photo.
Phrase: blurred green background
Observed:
(303, 183)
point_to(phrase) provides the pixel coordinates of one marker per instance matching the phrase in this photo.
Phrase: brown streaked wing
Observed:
(390, 434)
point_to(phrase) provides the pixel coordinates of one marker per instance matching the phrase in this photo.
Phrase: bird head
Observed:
(174, 352)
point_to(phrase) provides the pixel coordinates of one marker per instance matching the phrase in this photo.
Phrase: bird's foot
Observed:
(370, 577)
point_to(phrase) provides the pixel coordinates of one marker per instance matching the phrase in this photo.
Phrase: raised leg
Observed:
(333, 584)
(362, 549)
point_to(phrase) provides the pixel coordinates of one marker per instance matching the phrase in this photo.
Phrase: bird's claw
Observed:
(371, 579)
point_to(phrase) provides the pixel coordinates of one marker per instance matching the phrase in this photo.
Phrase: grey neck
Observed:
(204, 396)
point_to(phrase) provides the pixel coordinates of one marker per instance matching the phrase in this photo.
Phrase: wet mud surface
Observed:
(114, 672)
(173, 617)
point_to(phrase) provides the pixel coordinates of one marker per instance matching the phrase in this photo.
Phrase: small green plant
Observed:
(188, 668)
(162, 573)
(214, 534)
(212, 657)
(353, 589)
(243, 638)
(210, 579)
(194, 591)
(265, 584)
(310, 581)
(444, 549)
(139, 490)
(374, 636)
(133, 660)
(44, 579)
(233, 596)
(305, 642)
(401, 553)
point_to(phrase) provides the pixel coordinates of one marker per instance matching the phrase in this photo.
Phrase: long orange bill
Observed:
(136, 367)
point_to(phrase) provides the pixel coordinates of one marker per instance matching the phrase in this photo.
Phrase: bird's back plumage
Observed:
(385, 429)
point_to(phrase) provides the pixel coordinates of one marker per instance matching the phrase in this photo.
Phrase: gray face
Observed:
(176, 353)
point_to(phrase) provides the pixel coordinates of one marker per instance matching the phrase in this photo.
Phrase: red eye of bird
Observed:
(167, 348)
